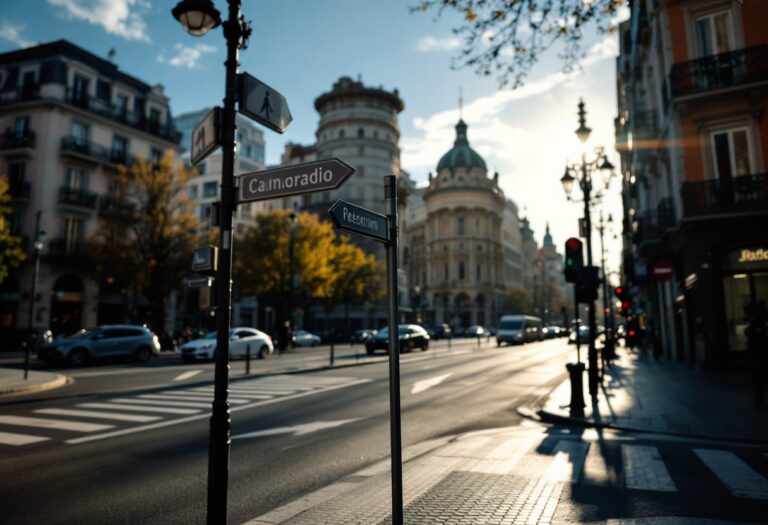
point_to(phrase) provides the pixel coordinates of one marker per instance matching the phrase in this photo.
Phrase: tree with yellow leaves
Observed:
(147, 248)
(11, 254)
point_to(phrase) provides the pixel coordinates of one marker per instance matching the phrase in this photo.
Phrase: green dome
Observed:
(461, 155)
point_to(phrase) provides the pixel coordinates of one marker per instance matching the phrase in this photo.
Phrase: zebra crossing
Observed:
(111, 416)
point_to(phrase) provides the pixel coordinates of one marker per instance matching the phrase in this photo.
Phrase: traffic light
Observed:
(622, 294)
(574, 259)
(587, 281)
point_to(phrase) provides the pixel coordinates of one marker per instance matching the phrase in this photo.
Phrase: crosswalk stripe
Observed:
(96, 415)
(645, 470)
(209, 399)
(568, 461)
(9, 438)
(169, 403)
(250, 395)
(135, 408)
(740, 479)
(58, 424)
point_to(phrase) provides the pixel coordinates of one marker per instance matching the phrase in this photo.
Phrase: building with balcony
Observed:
(691, 129)
(68, 119)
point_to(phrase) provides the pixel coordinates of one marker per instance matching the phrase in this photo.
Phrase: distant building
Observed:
(69, 118)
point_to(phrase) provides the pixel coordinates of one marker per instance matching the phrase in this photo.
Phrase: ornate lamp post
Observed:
(198, 17)
(583, 177)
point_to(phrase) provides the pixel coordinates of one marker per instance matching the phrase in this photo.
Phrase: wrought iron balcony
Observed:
(643, 123)
(115, 207)
(77, 197)
(746, 193)
(652, 225)
(84, 148)
(15, 140)
(735, 68)
(65, 247)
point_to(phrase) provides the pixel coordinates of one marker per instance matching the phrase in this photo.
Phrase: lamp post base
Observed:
(575, 372)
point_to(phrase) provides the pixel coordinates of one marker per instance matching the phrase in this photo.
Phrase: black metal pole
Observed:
(220, 423)
(291, 254)
(608, 345)
(33, 293)
(586, 186)
(390, 196)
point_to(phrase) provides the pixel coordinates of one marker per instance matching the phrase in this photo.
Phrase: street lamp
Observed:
(38, 246)
(198, 17)
(583, 177)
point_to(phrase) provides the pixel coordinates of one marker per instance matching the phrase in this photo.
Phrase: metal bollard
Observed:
(478, 341)
(575, 371)
(248, 359)
(332, 352)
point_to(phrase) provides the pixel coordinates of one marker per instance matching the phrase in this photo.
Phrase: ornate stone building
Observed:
(455, 235)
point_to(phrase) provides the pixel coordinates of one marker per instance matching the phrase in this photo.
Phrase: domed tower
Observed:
(358, 124)
(465, 210)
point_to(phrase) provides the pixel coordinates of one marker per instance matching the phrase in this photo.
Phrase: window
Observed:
(248, 152)
(193, 191)
(16, 172)
(446, 274)
(79, 132)
(731, 153)
(21, 127)
(478, 273)
(341, 133)
(121, 106)
(119, 149)
(713, 34)
(461, 270)
(155, 154)
(80, 90)
(210, 189)
(154, 119)
(360, 133)
(205, 213)
(72, 230)
(75, 179)
(461, 225)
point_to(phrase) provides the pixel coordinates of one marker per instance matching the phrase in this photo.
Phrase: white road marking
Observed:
(179, 421)
(740, 479)
(568, 461)
(96, 415)
(426, 384)
(8, 438)
(184, 404)
(209, 399)
(187, 375)
(246, 395)
(74, 426)
(134, 408)
(645, 470)
(296, 430)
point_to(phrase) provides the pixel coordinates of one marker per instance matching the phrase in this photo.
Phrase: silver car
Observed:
(104, 342)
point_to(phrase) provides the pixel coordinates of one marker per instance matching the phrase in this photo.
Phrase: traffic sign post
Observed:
(206, 137)
(262, 103)
(204, 259)
(360, 221)
(293, 180)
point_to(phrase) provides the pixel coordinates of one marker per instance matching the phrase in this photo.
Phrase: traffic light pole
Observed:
(586, 188)
(607, 311)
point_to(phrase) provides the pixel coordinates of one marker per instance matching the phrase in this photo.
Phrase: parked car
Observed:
(518, 329)
(583, 335)
(362, 335)
(303, 338)
(439, 331)
(103, 342)
(476, 331)
(240, 338)
(409, 336)
(550, 332)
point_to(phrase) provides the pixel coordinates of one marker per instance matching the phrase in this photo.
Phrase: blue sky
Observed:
(301, 47)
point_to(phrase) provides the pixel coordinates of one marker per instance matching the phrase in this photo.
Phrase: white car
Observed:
(302, 338)
(240, 338)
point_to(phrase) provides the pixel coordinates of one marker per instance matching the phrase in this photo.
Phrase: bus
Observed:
(518, 329)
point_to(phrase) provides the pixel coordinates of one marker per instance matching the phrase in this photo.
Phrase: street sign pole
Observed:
(390, 199)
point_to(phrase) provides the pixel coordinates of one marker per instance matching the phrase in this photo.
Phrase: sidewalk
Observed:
(641, 394)
(12, 381)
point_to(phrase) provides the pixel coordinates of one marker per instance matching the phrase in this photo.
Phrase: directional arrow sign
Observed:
(298, 430)
(263, 104)
(291, 180)
(353, 218)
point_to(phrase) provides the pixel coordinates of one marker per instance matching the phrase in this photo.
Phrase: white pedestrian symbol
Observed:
(266, 107)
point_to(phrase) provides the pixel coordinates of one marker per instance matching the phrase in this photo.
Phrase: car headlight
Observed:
(207, 346)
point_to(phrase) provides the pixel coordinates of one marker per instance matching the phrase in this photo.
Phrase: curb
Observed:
(535, 411)
(59, 380)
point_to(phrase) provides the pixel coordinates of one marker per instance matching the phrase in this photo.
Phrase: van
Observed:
(518, 329)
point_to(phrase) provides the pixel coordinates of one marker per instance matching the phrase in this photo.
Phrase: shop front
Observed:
(745, 284)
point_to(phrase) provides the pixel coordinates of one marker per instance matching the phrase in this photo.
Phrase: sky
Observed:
(301, 47)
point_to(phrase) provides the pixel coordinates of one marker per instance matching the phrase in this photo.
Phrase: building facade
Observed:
(69, 118)
(691, 130)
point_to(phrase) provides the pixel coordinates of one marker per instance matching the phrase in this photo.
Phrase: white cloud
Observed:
(12, 32)
(429, 44)
(118, 17)
(186, 56)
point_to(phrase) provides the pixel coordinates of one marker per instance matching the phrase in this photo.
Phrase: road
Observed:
(128, 443)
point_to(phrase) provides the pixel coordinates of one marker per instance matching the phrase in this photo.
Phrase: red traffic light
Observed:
(631, 333)
(618, 291)
(573, 244)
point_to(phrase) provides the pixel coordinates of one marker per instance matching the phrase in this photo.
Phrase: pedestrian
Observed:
(285, 337)
(757, 346)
